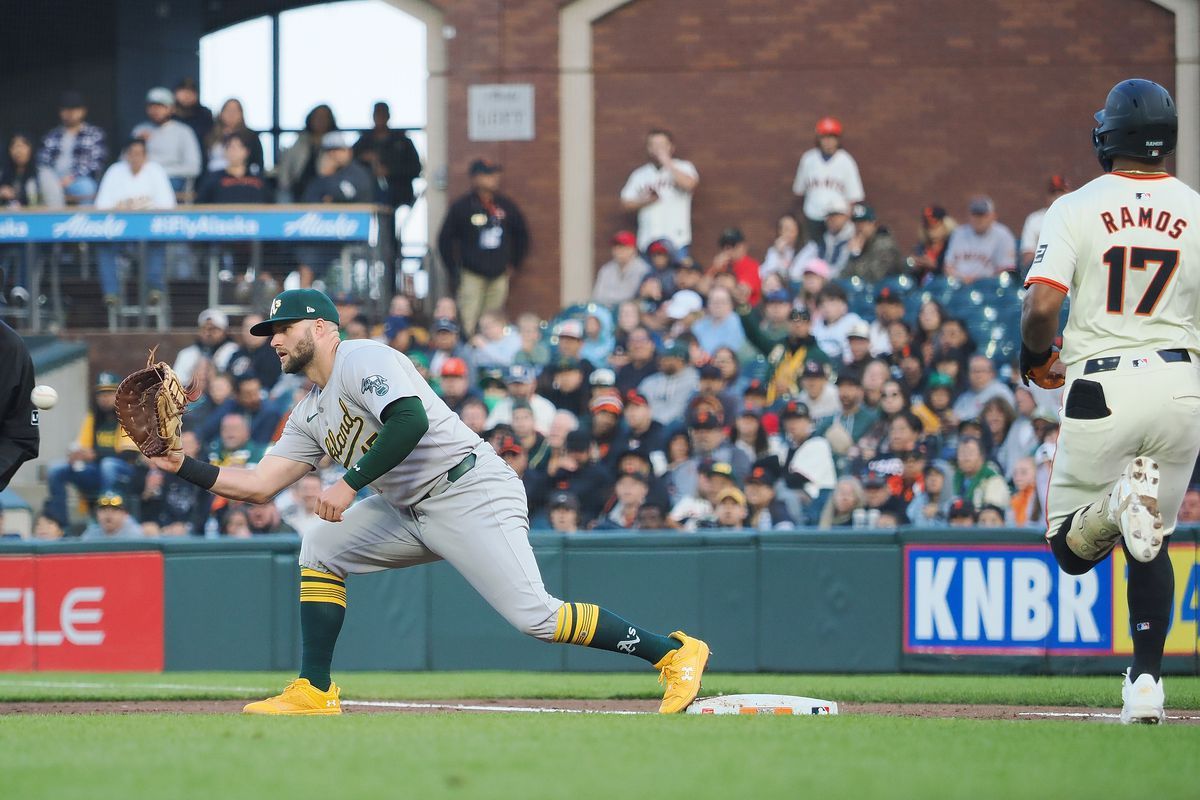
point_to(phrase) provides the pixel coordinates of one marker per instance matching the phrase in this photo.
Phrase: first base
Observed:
(782, 704)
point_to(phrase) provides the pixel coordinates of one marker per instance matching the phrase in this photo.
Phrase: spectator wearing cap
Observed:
(188, 110)
(573, 469)
(731, 511)
(397, 332)
(669, 389)
(808, 464)
(496, 344)
(733, 256)
(685, 307)
(564, 384)
(660, 191)
(445, 343)
(298, 164)
(982, 385)
(521, 382)
(853, 420)
(1032, 230)
(103, 457)
(571, 336)
(858, 347)
(605, 411)
(254, 355)
(818, 393)
(982, 249)
(929, 255)
(975, 480)
(237, 183)
(719, 327)
(697, 497)
(643, 361)
(455, 384)
(564, 512)
(76, 150)
(113, 520)
(889, 308)
(874, 254)
(766, 511)
(640, 432)
(833, 245)
(483, 240)
(714, 390)
(930, 505)
(879, 498)
(169, 143)
(786, 350)
(663, 263)
(825, 173)
(339, 179)
(619, 278)
(834, 322)
(711, 444)
(213, 344)
(133, 184)
(848, 497)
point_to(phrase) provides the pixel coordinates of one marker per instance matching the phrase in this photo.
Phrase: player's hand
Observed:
(334, 500)
(170, 462)
(1044, 369)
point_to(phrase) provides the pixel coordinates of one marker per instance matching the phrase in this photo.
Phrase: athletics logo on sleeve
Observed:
(375, 383)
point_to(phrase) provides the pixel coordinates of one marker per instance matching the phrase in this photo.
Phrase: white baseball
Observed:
(44, 396)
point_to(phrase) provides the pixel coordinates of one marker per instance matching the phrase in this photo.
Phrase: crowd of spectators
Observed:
(822, 385)
(182, 154)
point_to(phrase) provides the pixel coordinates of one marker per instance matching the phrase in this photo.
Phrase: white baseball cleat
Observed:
(1142, 701)
(1134, 503)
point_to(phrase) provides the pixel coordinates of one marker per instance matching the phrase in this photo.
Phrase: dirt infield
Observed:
(476, 706)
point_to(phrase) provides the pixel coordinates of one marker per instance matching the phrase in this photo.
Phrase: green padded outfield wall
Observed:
(928, 601)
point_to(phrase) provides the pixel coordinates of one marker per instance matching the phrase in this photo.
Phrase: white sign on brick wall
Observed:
(500, 112)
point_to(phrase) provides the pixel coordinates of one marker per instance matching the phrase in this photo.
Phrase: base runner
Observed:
(1126, 247)
(440, 493)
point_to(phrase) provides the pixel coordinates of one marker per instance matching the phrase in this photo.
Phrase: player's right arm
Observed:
(257, 484)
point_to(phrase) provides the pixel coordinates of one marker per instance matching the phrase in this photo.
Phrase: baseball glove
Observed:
(150, 406)
(1044, 369)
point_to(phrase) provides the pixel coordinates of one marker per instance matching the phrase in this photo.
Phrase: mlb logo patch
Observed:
(1140, 362)
(1143, 626)
(1142, 195)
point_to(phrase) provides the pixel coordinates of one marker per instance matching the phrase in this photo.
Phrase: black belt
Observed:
(1112, 362)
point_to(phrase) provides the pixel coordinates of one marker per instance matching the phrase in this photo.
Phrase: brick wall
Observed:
(940, 100)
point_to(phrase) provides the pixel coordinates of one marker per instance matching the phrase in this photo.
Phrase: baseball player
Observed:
(1126, 248)
(440, 492)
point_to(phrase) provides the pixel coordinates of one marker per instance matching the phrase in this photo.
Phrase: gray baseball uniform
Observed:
(478, 523)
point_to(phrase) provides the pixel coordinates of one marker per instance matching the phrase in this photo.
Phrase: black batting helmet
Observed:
(1138, 120)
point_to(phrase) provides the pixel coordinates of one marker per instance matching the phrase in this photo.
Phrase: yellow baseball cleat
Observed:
(680, 671)
(300, 698)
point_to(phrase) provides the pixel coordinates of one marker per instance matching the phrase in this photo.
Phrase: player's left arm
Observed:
(1047, 285)
(383, 390)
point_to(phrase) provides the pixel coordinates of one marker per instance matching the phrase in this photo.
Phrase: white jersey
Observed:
(1126, 248)
(821, 180)
(1032, 230)
(668, 217)
(343, 419)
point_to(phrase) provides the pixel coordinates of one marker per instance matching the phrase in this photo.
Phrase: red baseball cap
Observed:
(510, 445)
(625, 239)
(635, 398)
(829, 126)
(454, 367)
(607, 402)
(1059, 183)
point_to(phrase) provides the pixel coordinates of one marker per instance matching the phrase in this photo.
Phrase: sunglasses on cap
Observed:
(111, 501)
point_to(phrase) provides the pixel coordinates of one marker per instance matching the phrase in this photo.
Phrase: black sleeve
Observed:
(19, 437)
(520, 234)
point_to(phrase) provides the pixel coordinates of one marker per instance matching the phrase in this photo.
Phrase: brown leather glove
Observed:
(1043, 369)
(150, 406)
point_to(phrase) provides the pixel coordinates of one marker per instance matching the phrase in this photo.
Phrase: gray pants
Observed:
(479, 524)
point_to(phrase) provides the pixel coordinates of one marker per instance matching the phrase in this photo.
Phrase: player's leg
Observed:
(372, 536)
(1150, 592)
(480, 525)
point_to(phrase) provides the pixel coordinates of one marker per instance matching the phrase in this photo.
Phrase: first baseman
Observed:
(1126, 248)
(440, 492)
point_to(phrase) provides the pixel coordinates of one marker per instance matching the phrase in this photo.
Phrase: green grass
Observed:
(1094, 691)
(532, 757)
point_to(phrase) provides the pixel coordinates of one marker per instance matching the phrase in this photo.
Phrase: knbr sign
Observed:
(1003, 600)
(81, 612)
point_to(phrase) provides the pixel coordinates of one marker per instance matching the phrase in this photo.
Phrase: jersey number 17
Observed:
(1119, 259)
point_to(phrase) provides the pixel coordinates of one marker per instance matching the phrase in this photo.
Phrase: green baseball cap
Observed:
(295, 304)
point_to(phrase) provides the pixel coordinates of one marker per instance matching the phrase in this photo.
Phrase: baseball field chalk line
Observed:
(1086, 714)
(169, 686)
(506, 709)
